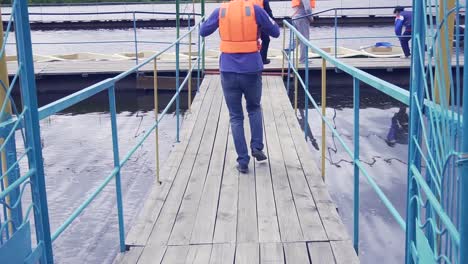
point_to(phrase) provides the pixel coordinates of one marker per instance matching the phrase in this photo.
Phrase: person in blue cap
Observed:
(403, 19)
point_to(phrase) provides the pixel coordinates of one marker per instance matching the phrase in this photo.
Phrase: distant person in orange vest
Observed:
(303, 8)
(240, 23)
(265, 4)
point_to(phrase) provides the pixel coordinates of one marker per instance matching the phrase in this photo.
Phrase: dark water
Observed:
(381, 238)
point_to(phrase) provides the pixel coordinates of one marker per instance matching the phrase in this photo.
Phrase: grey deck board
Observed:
(296, 252)
(206, 212)
(226, 218)
(154, 201)
(321, 253)
(344, 252)
(288, 220)
(175, 255)
(223, 253)
(309, 218)
(247, 253)
(268, 229)
(271, 253)
(203, 228)
(183, 226)
(199, 254)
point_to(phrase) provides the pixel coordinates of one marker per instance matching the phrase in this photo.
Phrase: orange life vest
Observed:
(296, 3)
(238, 27)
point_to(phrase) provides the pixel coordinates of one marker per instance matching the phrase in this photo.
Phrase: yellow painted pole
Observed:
(284, 47)
(156, 115)
(190, 72)
(444, 63)
(324, 113)
(4, 79)
(296, 62)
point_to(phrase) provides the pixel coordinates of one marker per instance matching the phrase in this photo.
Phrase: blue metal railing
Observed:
(436, 206)
(13, 184)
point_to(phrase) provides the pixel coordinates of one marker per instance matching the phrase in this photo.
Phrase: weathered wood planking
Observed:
(209, 213)
(309, 218)
(288, 220)
(203, 228)
(296, 252)
(182, 229)
(321, 253)
(144, 222)
(331, 221)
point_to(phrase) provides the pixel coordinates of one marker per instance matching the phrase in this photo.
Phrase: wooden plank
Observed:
(321, 253)
(247, 253)
(222, 253)
(331, 221)
(268, 229)
(164, 223)
(309, 217)
(141, 230)
(296, 253)
(247, 227)
(271, 253)
(344, 252)
(312, 172)
(199, 254)
(152, 254)
(129, 257)
(175, 255)
(226, 217)
(288, 220)
(185, 220)
(203, 228)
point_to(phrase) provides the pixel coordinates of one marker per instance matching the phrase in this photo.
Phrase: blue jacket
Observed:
(403, 20)
(241, 62)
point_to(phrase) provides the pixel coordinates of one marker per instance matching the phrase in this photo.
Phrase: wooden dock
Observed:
(116, 67)
(206, 212)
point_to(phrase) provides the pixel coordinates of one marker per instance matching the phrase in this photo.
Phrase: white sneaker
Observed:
(404, 57)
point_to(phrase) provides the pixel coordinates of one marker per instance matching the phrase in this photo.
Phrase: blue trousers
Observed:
(404, 41)
(249, 85)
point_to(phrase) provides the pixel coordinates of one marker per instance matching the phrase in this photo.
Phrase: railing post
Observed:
(296, 66)
(198, 60)
(464, 175)
(177, 50)
(284, 48)
(135, 38)
(156, 115)
(356, 99)
(416, 94)
(189, 71)
(32, 128)
(336, 33)
(288, 80)
(324, 114)
(203, 39)
(115, 148)
(306, 103)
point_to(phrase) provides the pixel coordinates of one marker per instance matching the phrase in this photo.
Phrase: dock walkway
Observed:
(206, 212)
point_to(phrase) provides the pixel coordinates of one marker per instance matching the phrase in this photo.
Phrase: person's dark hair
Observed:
(398, 9)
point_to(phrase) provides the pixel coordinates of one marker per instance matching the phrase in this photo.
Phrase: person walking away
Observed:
(240, 23)
(398, 132)
(265, 4)
(403, 19)
(303, 8)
